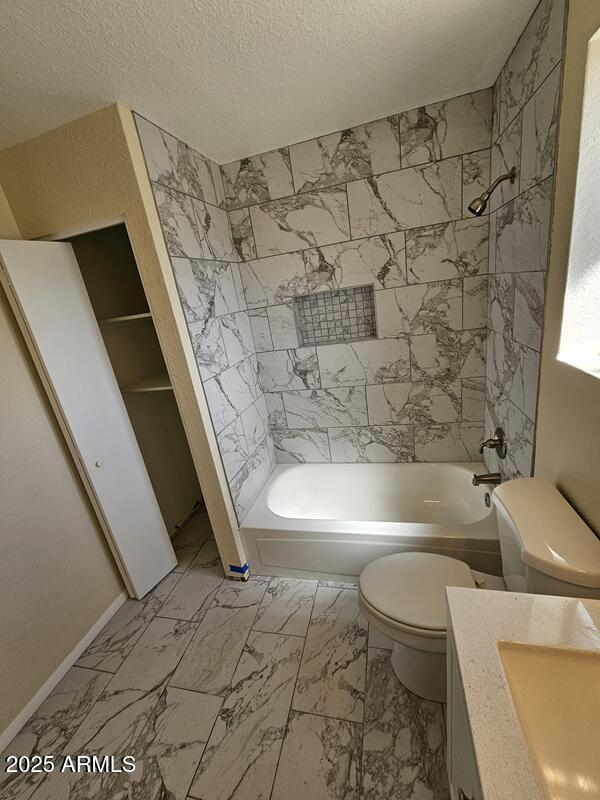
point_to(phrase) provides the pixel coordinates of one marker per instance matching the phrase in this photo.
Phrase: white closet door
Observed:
(46, 289)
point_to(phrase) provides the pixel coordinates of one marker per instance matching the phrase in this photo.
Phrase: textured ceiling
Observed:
(235, 78)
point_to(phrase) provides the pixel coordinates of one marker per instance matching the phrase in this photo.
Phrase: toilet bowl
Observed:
(404, 596)
(546, 549)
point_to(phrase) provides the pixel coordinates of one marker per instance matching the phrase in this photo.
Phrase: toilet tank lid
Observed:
(554, 538)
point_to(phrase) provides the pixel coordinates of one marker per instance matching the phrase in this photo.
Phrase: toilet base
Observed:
(423, 673)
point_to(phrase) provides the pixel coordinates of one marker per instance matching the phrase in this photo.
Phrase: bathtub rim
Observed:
(261, 518)
(338, 550)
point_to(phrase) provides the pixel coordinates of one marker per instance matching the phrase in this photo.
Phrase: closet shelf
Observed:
(155, 383)
(126, 318)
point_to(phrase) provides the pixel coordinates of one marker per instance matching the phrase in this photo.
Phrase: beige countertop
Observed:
(479, 621)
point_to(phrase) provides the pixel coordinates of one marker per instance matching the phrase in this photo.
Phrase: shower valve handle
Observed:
(497, 442)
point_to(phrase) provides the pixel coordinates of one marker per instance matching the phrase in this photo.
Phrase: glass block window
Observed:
(343, 315)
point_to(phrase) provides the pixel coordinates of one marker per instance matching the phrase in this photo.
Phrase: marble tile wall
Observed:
(190, 198)
(458, 300)
(525, 115)
(382, 204)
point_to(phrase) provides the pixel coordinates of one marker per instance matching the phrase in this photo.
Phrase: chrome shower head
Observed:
(479, 204)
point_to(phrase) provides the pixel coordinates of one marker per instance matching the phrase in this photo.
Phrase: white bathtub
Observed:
(330, 520)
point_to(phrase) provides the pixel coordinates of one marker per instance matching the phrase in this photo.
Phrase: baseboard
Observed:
(9, 733)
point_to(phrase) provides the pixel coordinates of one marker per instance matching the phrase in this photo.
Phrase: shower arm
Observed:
(508, 176)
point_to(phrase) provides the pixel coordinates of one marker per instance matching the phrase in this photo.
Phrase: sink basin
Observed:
(556, 693)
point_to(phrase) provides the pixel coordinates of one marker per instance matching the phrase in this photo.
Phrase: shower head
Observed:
(479, 204)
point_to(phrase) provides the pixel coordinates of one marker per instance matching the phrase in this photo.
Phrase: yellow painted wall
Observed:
(568, 432)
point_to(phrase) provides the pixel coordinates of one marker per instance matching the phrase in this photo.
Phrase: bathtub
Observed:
(329, 520)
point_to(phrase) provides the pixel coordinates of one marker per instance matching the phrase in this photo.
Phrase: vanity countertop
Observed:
(478, 624)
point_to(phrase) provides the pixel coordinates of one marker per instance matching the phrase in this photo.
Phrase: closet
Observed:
(81, 307)
(113, 284)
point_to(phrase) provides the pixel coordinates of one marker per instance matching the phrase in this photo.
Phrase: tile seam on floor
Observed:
(250, 630)
(191, 783)
(287, 722)
(362, 736)
(165, 683)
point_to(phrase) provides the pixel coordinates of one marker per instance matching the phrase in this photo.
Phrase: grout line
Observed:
(343, 183)
(305, 637)
(91, 669)
(526, 101)
(352, 241)
(362, 745)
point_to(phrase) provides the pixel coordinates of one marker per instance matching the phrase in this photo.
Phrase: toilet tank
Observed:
(546, 547)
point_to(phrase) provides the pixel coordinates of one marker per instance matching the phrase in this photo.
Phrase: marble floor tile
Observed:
(155, 656)
(320, 758)
(73, 786)
(403, 749)
(241, 756)
(286, 607)
(51, 727)
(190, 539)
(169, 748)
(193, 594)
(210, 660)
(331, 680)
(378, 639)
(350, 583)
(123, 709)
(118, 637)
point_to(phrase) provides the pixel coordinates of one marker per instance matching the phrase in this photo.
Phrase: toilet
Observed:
(546, 548)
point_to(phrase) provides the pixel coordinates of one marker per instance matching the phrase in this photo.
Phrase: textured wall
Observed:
(524, 135)
(189, 194)
(382, 204)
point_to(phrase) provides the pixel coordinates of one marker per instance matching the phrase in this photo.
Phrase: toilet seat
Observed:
(397, 627)
(404, 597)
(407, 591)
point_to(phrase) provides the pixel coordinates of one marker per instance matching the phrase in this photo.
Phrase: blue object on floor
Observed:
(239, 570)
